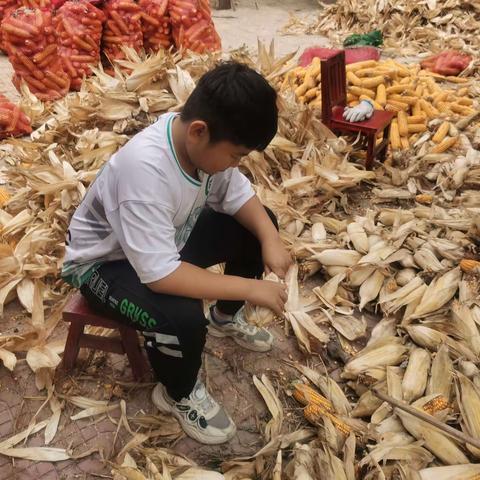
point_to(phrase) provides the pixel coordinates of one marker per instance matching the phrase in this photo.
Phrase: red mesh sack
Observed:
(193, 27)
(6, 6)
(78, 25)
(13, 122)
(156, 26)
(122, 28)
(32, 50)
(449, 63)
(352, 55)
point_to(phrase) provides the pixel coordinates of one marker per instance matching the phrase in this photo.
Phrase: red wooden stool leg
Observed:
(370, 151)
(72, 345)
(134, 352)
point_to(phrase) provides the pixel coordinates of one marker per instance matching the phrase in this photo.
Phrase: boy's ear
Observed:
(198, 130)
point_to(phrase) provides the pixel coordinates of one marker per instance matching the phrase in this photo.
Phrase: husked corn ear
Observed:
(399, 88)
(372, 81)
(416, 375)
(395, 135)
(314, 414)
(354, 80)
(470, 266)
(435, 405)
(361, 91)
(444, 145)
(353, 67)
(421, 118)
(417, 127)
(405, 142)
(4, 197)
(306, 395)
(381, 97)
(441, 133)
(402, 124)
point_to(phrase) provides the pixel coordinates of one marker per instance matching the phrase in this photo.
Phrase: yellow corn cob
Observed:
(399, 104)
(440, 97)
(354, 103)
(372, 81)
(317, 103)
(399, 88)
(417, 128)
(405, 143)
(353, 79)
(351, 97)
(436, 404)
(306, 395)
(454, 107)
(393, 108)
(419, 91)
(4, 197)
(381, 96)
(462, 92)
(417, 119)
(409, 100)
(402, 124)
(353, 67)
(457, 79)
(365, 72)
(311, 94)
(443, 107)
(432, 85)
(314, 414)
(417, 110)
(395, 136)
(361, 91)
(465, 101)
(424, 198)
(441, 132)
(375, 104)
(445, 145)
(468, 265)
(428, 109)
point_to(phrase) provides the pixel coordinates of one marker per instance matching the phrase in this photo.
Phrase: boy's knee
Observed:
(272, 216)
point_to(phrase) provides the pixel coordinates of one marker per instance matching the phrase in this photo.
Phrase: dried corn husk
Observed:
(416, 375)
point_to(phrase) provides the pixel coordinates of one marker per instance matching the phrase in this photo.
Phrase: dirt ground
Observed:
(228, 369)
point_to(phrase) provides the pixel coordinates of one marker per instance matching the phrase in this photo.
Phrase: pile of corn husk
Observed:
(394, 250)
(414, 27)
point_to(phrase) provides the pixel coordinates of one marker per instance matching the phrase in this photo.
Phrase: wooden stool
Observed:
(79, 314)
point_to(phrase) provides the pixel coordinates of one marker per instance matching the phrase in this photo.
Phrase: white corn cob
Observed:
(338, 257)
(358, 237)
(334, 270)
(370, 288)
(416, 375)
(465, 323)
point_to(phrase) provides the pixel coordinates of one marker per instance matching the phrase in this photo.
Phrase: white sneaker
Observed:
(247, 336)
(200, 416)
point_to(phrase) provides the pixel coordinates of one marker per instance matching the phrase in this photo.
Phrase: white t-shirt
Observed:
(143, 206)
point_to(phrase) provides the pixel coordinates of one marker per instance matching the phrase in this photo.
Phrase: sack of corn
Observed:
(78, 25)
(13, 122)
(156, 26)
(42, 4)
(31, 45)
(123, 28)
(6, 6)
(193, 27)
(449, 62)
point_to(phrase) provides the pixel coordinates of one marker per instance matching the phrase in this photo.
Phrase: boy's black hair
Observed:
(237, 104)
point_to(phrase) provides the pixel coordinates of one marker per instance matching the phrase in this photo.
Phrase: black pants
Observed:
(175, 327)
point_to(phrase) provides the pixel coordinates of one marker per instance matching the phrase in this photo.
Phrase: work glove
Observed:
(363, 111)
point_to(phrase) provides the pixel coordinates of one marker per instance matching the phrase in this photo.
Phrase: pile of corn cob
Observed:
(417, 97)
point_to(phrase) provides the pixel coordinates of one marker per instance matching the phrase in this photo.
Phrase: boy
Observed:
(167, 205)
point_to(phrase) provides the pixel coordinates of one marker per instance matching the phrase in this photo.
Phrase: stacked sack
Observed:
(31, 46)
(78, 26)
(123, 28)
(42, 4)
(13, 122)
(157, 33)
(193, 27)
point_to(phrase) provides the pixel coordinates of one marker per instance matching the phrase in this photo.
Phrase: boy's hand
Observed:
(275, 257)
(272, 295)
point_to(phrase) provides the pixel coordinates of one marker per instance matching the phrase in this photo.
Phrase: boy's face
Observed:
(211, 157)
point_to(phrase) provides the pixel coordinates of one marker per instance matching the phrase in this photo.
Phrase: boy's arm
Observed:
(253, 216)
(191, 281)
